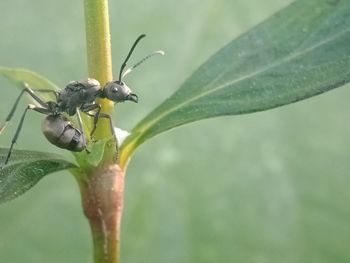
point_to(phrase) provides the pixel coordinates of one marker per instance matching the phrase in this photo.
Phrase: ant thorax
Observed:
(78, 93)
(53, 107)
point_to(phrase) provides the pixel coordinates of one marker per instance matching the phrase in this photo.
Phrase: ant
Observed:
(78, 96)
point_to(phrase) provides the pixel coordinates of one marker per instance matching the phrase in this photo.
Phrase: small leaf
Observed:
(94, 156)
(35, 81)
(25, 169)
(298, 53)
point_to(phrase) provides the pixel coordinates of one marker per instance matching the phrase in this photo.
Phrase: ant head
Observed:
(117, 91)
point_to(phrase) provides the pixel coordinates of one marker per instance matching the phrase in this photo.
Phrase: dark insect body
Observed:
(78, 96)
(56, 127)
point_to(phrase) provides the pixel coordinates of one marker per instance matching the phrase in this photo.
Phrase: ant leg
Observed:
(90, 107)
(19, 128)
(14, 107)
(48, 91)
(96, 116)
(33, 95)
(107, 116)
(80, 123)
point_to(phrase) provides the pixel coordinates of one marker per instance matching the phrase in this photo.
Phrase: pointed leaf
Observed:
(25, 169)
(36, 81)
(298, 53)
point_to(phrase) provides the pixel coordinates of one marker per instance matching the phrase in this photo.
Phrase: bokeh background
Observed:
(266, 187)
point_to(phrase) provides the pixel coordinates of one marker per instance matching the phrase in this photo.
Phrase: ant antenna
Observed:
(128, 56)
(158, 52)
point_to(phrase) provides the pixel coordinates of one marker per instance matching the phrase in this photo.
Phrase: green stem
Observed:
(99, 54)
(102, 188)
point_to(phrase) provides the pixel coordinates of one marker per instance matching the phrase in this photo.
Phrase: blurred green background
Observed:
(266, 187)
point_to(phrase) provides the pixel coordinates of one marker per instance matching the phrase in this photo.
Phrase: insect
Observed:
(82, 95)
(56, 127)
(78, 96)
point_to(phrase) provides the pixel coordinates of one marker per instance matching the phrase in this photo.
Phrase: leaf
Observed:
(25, 169)
(95, 155)
(298, 53)
(35, 81)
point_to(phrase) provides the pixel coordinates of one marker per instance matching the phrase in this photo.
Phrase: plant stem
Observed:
(102, 194)
(99, 54)
(102, 187)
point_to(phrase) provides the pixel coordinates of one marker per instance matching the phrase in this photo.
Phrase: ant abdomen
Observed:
(60, 132)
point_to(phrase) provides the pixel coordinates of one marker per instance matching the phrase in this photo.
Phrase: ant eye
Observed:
(114, 90)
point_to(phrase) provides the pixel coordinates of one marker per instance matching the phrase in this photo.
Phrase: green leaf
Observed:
(35, 81)
(25, 169)
(298, 53)
(94, 156)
